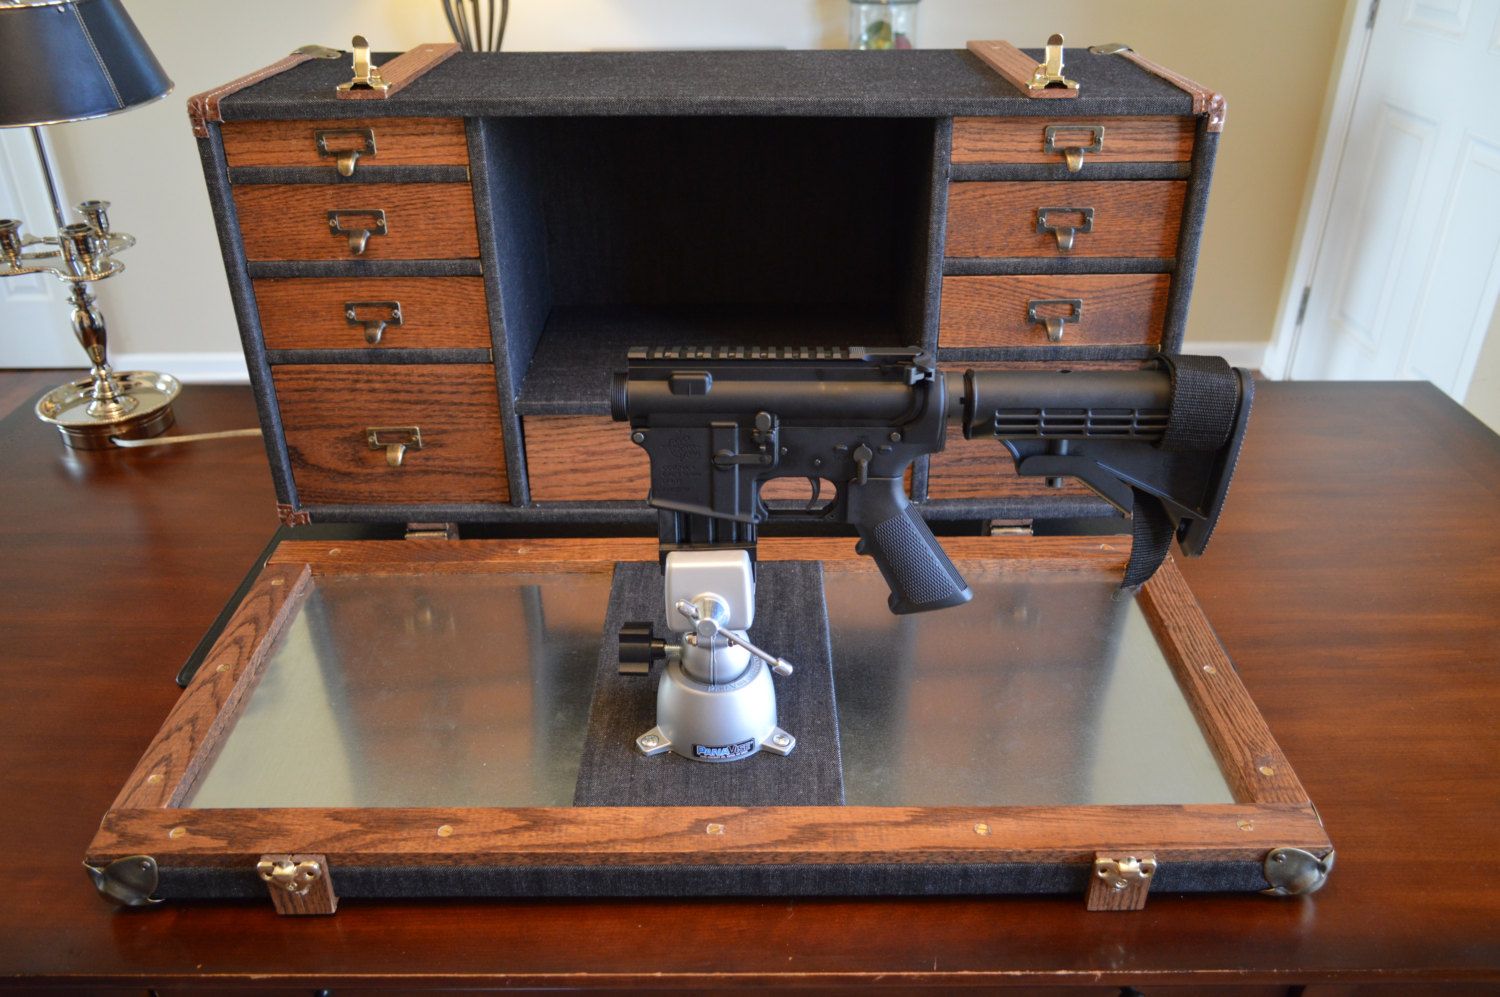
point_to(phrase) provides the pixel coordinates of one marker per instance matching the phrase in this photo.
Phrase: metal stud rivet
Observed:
(715, 829)
(335, 551)
(446, 831)
(177, 832)
(1209, 669)
(223, 667)
(1245, 825)
(1267, 770)
(650, 740)
(154, 779)
(782, 740)
(981, 829)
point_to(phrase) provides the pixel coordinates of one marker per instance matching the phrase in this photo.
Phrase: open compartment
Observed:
(620, 231)
(413, 713)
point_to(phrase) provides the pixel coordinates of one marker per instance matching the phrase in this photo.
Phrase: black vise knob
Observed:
(640, 648)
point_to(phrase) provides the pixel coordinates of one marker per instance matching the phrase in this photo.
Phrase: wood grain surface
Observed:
(326, 408)
(1354, 591)
(1132, 218)
(398, 142)
(1117, 309)
(424, 221)
(612, 467)
(1139, 139)
(307, 313)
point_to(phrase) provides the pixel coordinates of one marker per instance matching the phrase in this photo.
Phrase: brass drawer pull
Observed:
(395, 441)
(389, 313)
(1073, 152)
(1054, 323)
(1065, 233)
(359, 234)
(347, 158)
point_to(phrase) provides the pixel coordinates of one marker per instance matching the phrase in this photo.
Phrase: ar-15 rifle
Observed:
(719, 422)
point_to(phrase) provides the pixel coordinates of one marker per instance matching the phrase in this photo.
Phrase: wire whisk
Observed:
(477, 25)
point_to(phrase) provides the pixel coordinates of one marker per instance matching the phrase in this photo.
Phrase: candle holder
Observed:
(67, 60)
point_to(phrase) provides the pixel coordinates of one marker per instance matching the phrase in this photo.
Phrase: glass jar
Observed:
(882, 24)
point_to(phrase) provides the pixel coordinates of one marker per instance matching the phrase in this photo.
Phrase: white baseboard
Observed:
(1239, 354)
(189, 368)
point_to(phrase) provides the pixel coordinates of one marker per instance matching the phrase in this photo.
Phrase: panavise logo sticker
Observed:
(724, 752)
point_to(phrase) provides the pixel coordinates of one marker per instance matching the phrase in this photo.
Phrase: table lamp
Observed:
(66, 60)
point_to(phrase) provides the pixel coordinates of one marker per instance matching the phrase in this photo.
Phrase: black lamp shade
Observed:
(62, 60)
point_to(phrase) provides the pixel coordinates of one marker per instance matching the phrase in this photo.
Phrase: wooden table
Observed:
(1355, 581)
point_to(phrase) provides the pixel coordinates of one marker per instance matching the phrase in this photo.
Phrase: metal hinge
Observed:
(1302, 305)
(1370, 20)
(431, 531)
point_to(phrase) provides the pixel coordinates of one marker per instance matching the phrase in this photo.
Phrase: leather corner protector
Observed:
(204, 107)
(291, 516)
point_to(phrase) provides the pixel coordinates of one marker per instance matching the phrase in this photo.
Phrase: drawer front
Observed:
(1125, 218)
(313, 313)
(1086, 310)
(421, 221)
(983, 468)
(1098, 140)
(327, 410)
(378, 142)
(616, 469)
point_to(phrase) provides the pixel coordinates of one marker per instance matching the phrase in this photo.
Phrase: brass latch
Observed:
(296, 878)
(1121, 882)
(1049, 72)
(395, 441)
(1073, 152)
(347, 158)
(1054, 323)
(359, 235)
(366, 76)
(389, 313)
(1065, 233)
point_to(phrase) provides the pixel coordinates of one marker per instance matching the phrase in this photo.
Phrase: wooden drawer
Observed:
(615, 469)
(423, 221)
(1119, 140)
(395, 142)
(1098, 309)
(1130, 218)
(311, 313)
(326, 410)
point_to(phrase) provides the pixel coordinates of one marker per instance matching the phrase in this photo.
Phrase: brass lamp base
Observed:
(141, 407)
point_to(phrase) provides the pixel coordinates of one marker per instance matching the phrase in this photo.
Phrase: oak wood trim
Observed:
(206, 709)
(398, 142)
(1132, 218)
(1137, 139)
(326, 409)
(1252, 762)
(307, 313)
(204, 107)
(1015, 67)
(1103, 554)
(1117, 309)
(1205, 101)
(424, 221)
(623, 836)
(404, 69)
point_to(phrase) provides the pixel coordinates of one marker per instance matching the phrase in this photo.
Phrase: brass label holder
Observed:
(1064, 233)
(359, 235)
(347, 158)
(388, 313)
(395, 441)
(1073, 152)
(1054, 323)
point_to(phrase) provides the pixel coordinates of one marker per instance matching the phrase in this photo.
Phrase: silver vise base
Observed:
(715, 723)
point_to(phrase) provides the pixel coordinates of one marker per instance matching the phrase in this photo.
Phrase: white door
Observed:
(1408, 266)
(35, 324)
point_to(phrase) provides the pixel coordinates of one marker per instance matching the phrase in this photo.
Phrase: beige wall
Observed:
(174, 298)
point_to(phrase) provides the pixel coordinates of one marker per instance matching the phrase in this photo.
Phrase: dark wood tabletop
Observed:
(1355, 581)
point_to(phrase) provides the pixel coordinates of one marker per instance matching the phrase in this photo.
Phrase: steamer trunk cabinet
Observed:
(433, 289)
